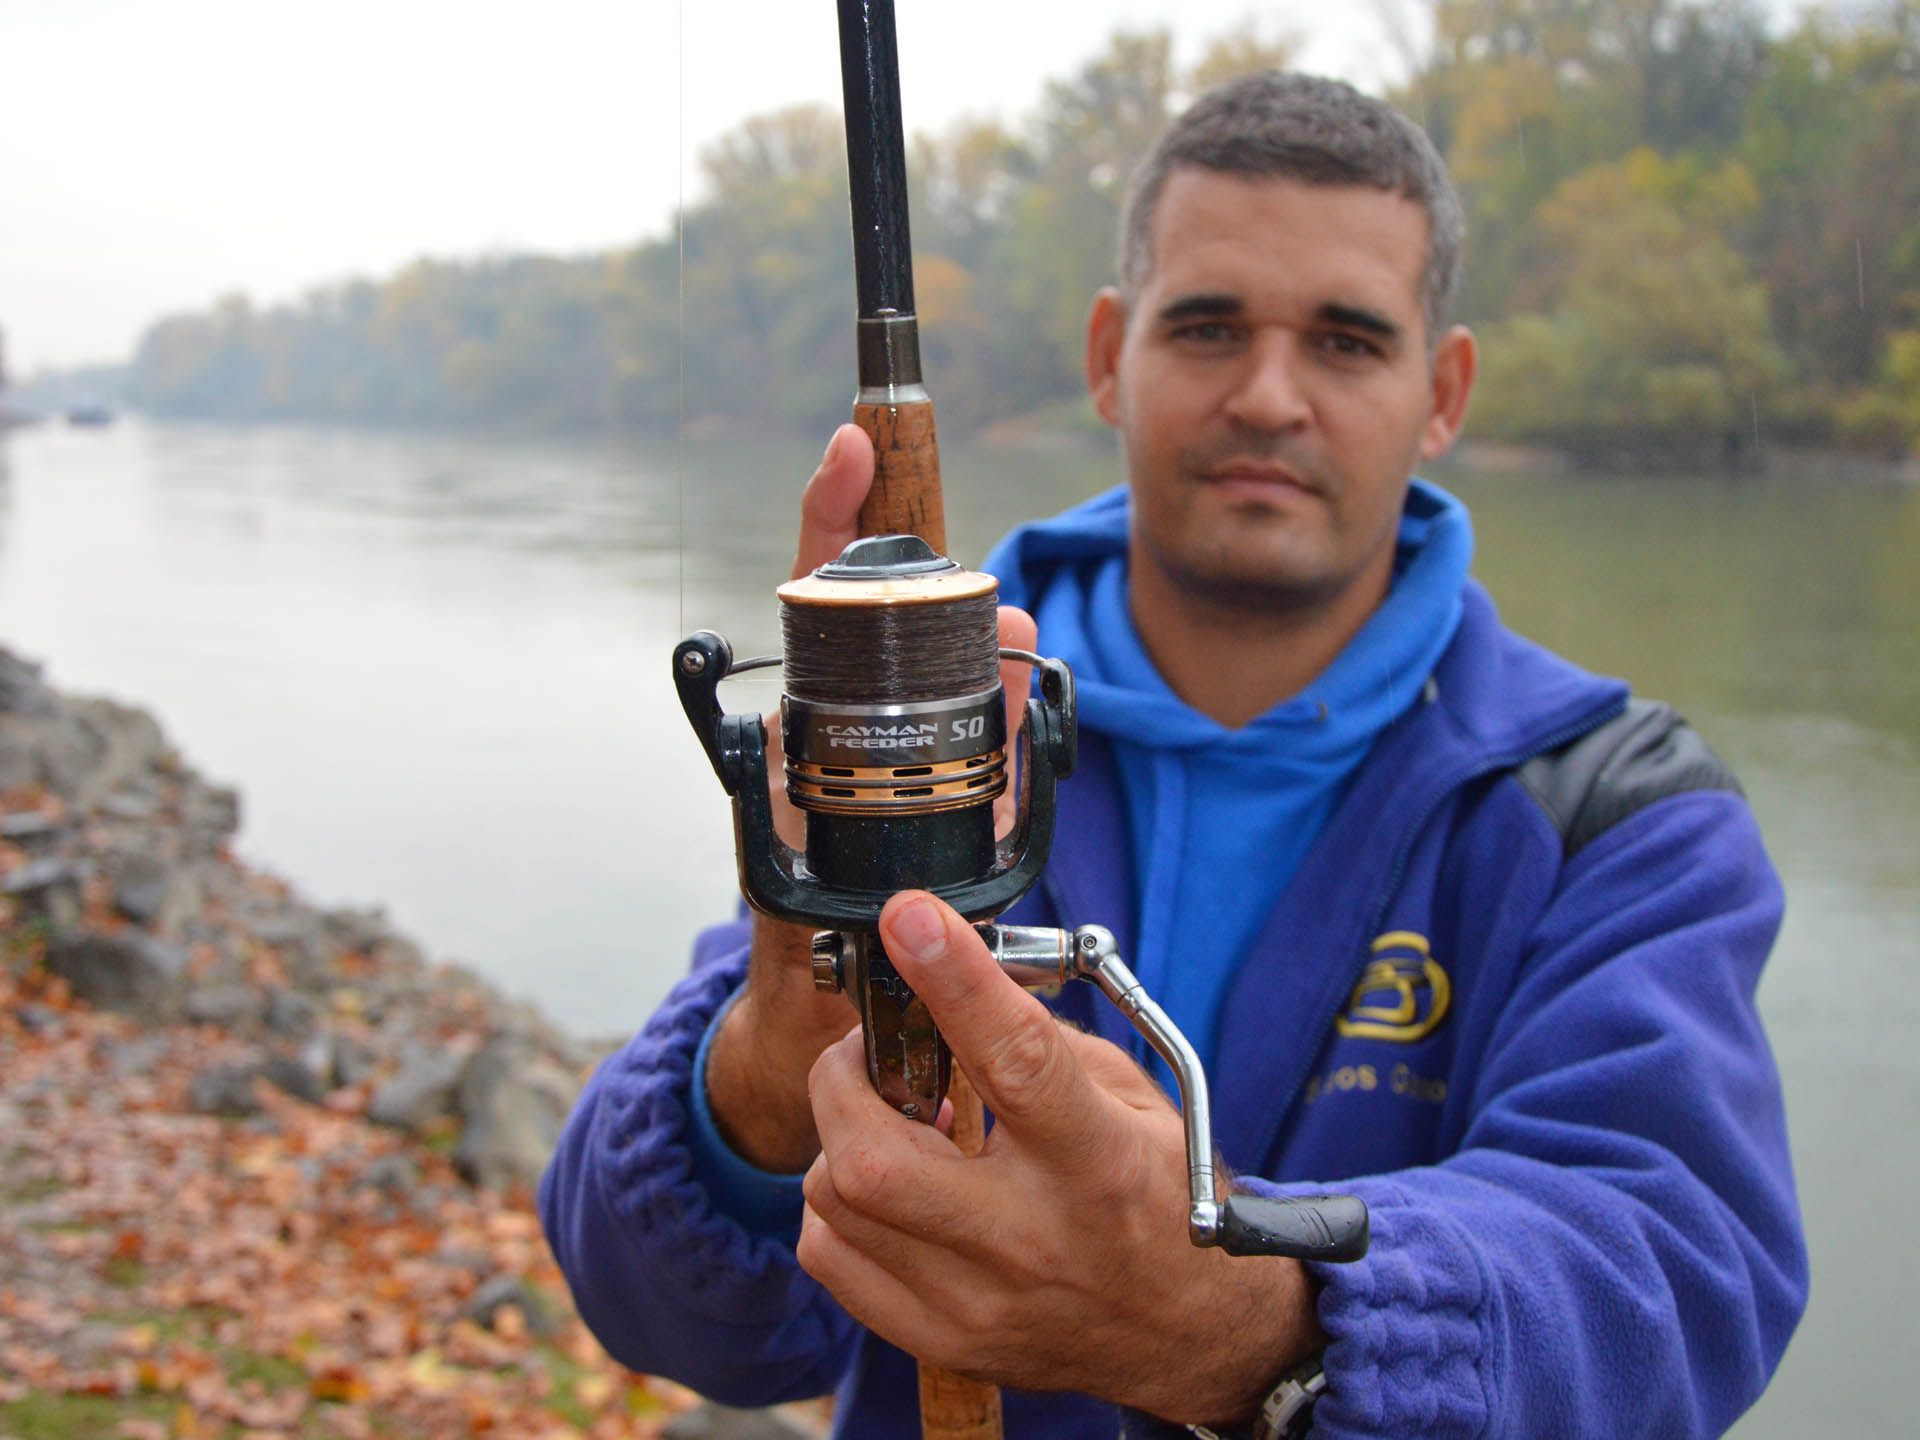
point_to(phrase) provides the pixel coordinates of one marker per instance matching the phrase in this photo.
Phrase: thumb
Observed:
(1010, 1046)
(830, 505)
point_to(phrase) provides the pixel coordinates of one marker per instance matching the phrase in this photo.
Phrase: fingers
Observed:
(1011, 1048)
(1017, 632)
(1116, 1072)
(853, 1119)
(886, 1183)
(868, 1291)
(830, 506)
(879, 1298)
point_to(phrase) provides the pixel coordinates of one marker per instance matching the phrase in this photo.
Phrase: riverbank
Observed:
(265, 1168)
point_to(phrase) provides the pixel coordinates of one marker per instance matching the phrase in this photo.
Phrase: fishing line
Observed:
(891, 654)
(680, 336)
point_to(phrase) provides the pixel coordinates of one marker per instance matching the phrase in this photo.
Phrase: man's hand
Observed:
(757, 1067)
(1057, 1259)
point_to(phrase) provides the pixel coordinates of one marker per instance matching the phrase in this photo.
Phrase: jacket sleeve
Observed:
(1614, 1247)
(669, 1284)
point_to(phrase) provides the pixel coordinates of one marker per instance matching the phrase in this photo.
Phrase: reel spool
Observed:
(894, 720)
(894, 728)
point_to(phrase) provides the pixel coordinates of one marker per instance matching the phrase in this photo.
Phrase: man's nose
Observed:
(1269, 395)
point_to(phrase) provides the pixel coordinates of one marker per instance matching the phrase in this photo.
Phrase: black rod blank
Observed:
(876, 157)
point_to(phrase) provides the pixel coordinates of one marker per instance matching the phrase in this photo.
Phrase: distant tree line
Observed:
(1687, 234)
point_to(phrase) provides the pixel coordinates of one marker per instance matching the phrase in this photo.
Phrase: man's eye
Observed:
(1348, 345)
(1206, 332)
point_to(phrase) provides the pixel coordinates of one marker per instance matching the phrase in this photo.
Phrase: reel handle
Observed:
(1326, 1228)
(1332, 1229)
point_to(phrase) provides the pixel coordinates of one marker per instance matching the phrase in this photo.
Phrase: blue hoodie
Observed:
(1517, 1019)
(1220, 817)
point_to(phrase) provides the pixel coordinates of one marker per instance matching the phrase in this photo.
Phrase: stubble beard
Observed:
(1248, 556)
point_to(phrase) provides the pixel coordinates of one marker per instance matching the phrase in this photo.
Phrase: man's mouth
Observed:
(1258, 477)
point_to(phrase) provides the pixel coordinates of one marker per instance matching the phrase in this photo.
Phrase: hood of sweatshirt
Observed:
(1220, 817)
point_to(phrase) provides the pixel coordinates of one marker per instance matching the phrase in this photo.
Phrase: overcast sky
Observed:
(154, 156)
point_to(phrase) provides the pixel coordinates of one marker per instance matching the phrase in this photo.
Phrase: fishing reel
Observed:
(893, 727)
(894, 732)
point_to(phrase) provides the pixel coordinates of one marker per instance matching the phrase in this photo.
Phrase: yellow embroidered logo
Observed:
(1403, 995)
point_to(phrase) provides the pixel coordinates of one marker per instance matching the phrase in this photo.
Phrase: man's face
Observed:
(1273, 390)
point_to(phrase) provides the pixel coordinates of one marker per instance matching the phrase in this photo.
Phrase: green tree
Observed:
(1829, 138)
(1655, 339)
(1063, 223)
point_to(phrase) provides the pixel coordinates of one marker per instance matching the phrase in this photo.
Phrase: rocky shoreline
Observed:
(265, 1169)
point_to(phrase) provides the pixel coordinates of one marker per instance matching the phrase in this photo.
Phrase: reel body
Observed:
(894, 735)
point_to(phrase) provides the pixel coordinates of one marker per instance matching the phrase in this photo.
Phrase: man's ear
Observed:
(1455, 361)
(1106, 329)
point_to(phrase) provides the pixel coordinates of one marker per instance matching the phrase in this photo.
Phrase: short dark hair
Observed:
(1320, 132)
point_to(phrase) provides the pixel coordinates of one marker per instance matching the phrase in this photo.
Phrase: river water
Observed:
(437, 667)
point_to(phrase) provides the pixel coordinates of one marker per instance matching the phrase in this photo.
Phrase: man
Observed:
(1452, 924)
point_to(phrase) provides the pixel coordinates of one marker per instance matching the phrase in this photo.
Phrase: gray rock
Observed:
(130, 805)
(300, 937)
(320, 1054)
(306, 1072)
(147, 890)
(57, 747)
(352, 1061)
(48, 890)
(28, 826)
(296, 1080)
(507, 1289)
(22, 691)
(396, 953)
(231, 1006)
(389, 1174)
(357, 930)
(38, 1019)
(514, 1101)
(38, 875)
(209, 815)
(288, 927)
(708, 1421)
(451, 1254)
(127, 970)
(139, 1055)
(289, 1012)
(224, 1090)
(220, 882)
(420, 1091)
(18, 764)
(115, 743)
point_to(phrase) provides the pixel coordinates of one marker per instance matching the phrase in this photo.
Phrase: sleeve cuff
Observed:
(1408, 1349)
(764, 1203)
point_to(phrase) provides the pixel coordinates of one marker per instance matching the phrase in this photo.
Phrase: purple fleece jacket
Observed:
(1583, 1211)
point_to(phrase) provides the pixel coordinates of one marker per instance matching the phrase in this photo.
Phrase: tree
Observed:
(1655, 340)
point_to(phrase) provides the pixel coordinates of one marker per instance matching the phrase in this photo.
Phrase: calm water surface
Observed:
(437, 667)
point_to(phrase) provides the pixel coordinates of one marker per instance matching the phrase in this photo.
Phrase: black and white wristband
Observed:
(1287, 1412)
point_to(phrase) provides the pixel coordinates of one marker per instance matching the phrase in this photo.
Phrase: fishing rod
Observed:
(894, 726)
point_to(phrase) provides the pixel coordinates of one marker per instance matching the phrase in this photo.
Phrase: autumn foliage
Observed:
(295, 1273)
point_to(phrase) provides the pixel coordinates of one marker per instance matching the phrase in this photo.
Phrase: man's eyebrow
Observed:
(1209, 304)
(1355, 317)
